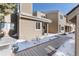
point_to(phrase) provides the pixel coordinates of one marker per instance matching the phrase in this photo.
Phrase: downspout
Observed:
(18, 16)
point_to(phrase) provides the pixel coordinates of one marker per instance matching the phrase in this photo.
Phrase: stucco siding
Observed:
(53, 27)
(39, 14)
(26, 8)
(57, 22)
(27, 29)
(61, 22)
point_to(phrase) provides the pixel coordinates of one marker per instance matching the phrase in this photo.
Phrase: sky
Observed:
(62, 7)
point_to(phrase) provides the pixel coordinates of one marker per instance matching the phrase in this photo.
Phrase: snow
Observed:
(67, 49)
(20, 41)
(49, 35)
(22, 44)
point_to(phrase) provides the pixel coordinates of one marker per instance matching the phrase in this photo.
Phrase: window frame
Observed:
(38, 25)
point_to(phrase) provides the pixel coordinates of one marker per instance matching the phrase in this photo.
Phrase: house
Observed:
(22, 24)
(30, 26)
(58, 22)
(73, 17)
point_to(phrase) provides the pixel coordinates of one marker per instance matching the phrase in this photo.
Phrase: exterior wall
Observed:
(57, 23)
(53, 27)
(61, 22)
(27, 29)
(39, 14)
(26, 8)
(77, 37)
(44, 25)
(70, 24)
(68, 27)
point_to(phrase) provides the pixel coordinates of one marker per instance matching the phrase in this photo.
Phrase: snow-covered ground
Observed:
(68, 48)
(49, 35)
(28, 44)
(5, 51)
(6, 41)
(5, 48)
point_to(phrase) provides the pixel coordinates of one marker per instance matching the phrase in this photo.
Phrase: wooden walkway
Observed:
(39, 50)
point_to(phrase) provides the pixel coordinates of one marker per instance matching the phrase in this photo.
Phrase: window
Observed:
(37, 25)
(61, 17)
(62, 28)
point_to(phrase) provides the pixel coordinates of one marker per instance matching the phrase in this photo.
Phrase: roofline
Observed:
(39, 11)
(25, 15)
(73, 9)
(52, 11)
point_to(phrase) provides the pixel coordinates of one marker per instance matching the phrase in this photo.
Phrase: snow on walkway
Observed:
(67, 49)
(28, 44)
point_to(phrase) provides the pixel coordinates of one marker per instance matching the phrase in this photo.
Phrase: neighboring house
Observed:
(73, 17)
(58, 22)
(30, 26)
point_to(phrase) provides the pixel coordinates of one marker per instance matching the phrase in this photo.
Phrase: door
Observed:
(44, 26)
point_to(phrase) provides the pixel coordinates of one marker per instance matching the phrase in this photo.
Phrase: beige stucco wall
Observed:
(61, 22)
(26, 8)
(56, 21)
(27, 29)
(53, 27)
(39, 14)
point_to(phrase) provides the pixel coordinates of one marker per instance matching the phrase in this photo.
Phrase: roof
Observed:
(72, 9)
(25, 15)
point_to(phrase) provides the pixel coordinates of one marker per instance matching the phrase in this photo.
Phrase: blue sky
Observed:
(63, 7)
